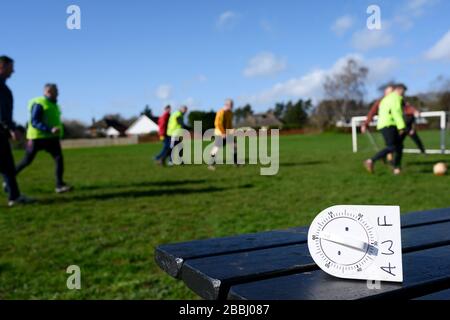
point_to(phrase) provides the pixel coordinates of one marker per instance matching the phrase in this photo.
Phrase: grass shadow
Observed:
(427, 163)
(140, 184)
(304, 163)
(135, 194)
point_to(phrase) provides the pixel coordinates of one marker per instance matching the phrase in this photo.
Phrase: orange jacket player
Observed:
(223, 121)
(222, 124)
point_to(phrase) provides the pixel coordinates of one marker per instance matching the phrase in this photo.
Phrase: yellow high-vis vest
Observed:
(51, 117)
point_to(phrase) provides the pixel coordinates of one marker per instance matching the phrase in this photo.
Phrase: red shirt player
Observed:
(410, 115)
(162, 124)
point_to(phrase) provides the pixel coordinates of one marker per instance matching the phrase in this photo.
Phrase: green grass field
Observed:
(124, 206)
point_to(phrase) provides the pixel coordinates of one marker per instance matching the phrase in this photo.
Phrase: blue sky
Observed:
(132, 53)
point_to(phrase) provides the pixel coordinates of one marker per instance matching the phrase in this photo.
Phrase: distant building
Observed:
(343, 124)
(260, 120)
(142, 126)
(112, 132)
(106, 128)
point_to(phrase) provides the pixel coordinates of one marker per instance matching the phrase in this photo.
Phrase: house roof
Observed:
(143, 125)
(112, 132)
(267, 119)
(106, 123)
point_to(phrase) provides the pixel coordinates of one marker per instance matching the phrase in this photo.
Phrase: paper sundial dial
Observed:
(358, 242)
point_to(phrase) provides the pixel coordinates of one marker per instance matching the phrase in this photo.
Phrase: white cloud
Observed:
(342, 25)
(411, 11)
(441, 50)
(417, 7)
(365, 40)
(190, 102)
(379, 68)
(404, 22)
(417, 4)
(264, 64)
(405, 19)
(201, 78)
(227, 20)
(266, 26)
(164, 92)
(310, 85)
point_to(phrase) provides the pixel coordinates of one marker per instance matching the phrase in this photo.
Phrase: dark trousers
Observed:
(394, 144)
(7, 168)
(165, 150)
(53, 147)
(415, 137)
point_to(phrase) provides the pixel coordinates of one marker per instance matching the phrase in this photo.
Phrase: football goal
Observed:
(436, 140)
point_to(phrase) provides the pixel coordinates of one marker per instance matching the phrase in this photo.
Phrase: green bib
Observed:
(174, 127)
(390, 112)
(51, 117)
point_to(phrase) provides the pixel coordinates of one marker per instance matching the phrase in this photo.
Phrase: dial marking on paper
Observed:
(358, 242)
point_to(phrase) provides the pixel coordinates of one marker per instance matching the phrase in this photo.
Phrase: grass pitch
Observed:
(124, 206)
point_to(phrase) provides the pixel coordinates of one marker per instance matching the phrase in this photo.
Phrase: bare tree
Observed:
(439, 96)
(346, 87)
(323, 115)
(444, 93)
(74, 129)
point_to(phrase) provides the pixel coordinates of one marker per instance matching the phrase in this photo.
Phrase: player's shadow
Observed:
(302, 163)
(425, 163)
(134, 194)
(140, 184)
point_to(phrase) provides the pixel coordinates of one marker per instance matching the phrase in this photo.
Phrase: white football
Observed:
(440, 169)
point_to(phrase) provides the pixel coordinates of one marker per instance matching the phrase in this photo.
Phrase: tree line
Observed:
(344, 97)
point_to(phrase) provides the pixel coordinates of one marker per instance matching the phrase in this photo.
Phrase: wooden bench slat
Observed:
(441, 295)
(171, 257)
(425, 271)
(425, 217)
(211, 277)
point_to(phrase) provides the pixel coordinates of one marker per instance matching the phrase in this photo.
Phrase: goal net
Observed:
(435, 137)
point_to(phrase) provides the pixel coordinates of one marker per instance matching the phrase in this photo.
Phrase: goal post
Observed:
(441, 115)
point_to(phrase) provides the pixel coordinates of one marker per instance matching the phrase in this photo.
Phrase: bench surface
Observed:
(276, 265)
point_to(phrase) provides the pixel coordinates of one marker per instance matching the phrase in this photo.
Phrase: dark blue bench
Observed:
(276, 265)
